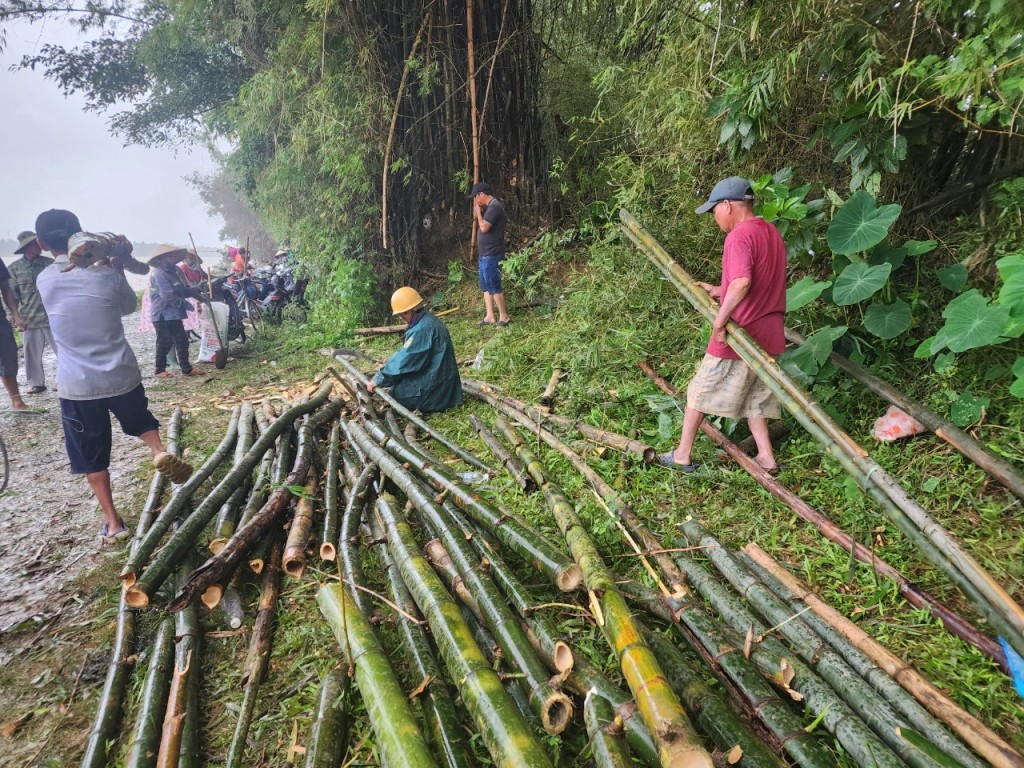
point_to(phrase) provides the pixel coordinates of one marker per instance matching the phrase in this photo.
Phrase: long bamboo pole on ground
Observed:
(294, 558)
(259, 490)
(441, 722)
(178, 503)
(384, 330)
(995, 465)
(506, 459)
(678, 744)
(227, 517)
(513, 532)
(327, 738)
(952, 621)
(398, 735)
(179, 716)
(329, 531)
(257, 659)
(283, 463)
(969, 728)
(607, 737)
(504, 732)
(552, 706)
(145, 741)
(111, 700)
(349, 538)
(408, 415)
(938, 546)
(872, 694)
(224, 562)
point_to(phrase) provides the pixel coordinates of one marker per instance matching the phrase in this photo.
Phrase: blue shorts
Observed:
(87, 432)
(490, 273)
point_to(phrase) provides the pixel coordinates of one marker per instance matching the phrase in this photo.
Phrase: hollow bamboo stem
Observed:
(350, 539)
(329, 734)
(227, 517)
(294, 558)
(145, 742)
(607, 737)
(173, 740)
(329, 532)
(501, 453)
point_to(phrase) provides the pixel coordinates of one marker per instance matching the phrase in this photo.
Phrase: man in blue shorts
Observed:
(489, 214)
(97, 373)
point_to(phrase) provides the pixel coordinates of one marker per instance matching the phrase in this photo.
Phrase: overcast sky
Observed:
(53, 154)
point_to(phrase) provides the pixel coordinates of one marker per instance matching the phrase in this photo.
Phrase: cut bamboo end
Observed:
(569, 579)
(563, 658)
(294, 564)
(695, 757)
(256, 565)
(650, 455)
(556, 713)
(328, 552)
(128, 579)
(136, 598)
(211, 597)
(217, 545)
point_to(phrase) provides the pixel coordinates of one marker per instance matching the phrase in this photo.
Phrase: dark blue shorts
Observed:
(490, 273)
(8, 350)
(87, 432)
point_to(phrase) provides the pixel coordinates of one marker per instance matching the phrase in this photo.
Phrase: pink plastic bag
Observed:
(896, 424)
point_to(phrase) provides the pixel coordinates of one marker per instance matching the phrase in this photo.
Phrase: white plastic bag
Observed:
(209, 343)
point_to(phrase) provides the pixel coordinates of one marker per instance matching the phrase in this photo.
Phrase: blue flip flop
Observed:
(666, 460)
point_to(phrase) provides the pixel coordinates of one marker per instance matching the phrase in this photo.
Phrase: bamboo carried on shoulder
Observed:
(969, 728)
(995, 465)
(952, 621)
(937, 545)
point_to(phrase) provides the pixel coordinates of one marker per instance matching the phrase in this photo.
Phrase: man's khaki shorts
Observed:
(731, 389)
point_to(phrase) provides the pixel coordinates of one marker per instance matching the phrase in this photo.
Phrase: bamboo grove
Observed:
(463, 632)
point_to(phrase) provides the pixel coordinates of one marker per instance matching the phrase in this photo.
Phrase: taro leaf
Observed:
(967, 409)
(859, 281)
(859, 225)
(944, 362)
(996, 371)
(924, 349)
(883, 253)
(972, 322)
(887, 321)
(919, 247)
(802, 293)
(1018, 367)
(1011, 265)
(952, 278)
(1017, 388)
(815, 351)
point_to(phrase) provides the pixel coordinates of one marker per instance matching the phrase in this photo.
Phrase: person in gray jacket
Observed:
(97, 373)
(169, 296)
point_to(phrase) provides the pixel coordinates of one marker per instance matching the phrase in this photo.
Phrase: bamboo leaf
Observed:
(859, 225)
(887, 321)
(859, 281)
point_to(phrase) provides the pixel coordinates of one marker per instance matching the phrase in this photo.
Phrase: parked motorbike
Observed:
(286, 299)
(222, 291)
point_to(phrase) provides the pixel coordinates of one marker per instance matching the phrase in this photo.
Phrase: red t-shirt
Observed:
(755, 249)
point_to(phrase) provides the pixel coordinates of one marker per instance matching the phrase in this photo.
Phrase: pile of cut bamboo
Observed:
(490, 612)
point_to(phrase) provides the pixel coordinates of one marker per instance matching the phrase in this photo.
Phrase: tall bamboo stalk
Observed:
(678, 744)
(257, 659)
(607, 737)
(969, 728)
(326, 746)
(952, 621)
(506, 459)
(440, 719)
(398, 736)
(552, 706)
(941, 549)
(504, 732)
(145, 740)
(329, 532)
(514, 532)
(871, 693)
(408, 415)
(995, 465)
(294, 558)
(227, 517)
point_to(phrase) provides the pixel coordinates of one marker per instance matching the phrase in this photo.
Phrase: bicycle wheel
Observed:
(4, 466)
(253, 314)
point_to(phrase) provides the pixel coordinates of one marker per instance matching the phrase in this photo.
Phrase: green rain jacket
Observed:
(423, 375)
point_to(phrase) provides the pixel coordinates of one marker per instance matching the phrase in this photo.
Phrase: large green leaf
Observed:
(970, 322)
(815, 350)
(859, 225)
(1011, 265)
(919, 247)
(887, 321)
(952, 278)
(859, 281)
(967, 409)
(803, 292)
(883, 253)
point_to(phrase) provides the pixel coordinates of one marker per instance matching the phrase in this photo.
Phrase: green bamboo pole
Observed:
(724, 652)
(260, 490)
(177, 504)
(329, 532)
(941, 549)
(257, 659)
(504, 732)
(876, 697)
(799, 596)
(227, 517)
(294, 558)
(111, 700)
(710, 712)
(513, 532)
(286, 450)
(179, 717)
(408, 415)
(444, 566)
(976, 451)
(398, 736)
(504, 457)
(152, 702)
(552, 706)
(441, 721)
(607, 737)
(349, 538)
(678, 744)
(327, 739)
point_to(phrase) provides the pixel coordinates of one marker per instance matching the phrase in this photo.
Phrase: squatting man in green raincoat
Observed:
(423, 375)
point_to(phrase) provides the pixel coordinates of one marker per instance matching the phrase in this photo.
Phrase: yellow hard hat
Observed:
(404, 300)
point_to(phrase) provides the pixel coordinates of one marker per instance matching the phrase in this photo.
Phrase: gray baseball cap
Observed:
(732, 188)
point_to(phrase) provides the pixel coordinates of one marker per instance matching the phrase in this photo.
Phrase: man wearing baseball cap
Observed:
(35, 334)
(753, 295)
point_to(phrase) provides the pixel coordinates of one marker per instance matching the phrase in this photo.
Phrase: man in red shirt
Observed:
(753, 295)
